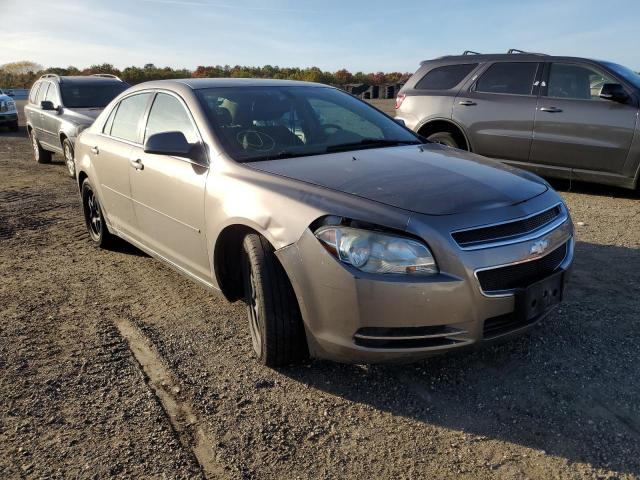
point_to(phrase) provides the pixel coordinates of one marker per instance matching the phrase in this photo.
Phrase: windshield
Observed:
(266, 123)
(97, 95)
(626, 73)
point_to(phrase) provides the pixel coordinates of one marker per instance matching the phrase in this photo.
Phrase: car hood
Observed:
(84, 115)
(430, 179)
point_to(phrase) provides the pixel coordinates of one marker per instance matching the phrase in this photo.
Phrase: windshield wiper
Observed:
(280, 155)
(370, 142)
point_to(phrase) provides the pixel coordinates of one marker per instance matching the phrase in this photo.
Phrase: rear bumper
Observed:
(354, 317)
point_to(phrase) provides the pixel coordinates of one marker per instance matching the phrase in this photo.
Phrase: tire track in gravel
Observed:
(180, 414)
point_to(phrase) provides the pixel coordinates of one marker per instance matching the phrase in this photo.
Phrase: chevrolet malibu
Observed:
(348, 236)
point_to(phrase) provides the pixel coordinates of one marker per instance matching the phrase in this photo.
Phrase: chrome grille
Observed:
(505, 231)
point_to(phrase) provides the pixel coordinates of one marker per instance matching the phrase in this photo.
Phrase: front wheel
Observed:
(444, 138)
(67, 148)
(275, 323)
(93, 217)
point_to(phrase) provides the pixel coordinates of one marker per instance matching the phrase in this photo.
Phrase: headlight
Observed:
(376, 252)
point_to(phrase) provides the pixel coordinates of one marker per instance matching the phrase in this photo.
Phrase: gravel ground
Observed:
(561, 402)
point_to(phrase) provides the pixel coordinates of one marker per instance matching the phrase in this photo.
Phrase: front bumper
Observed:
(8, 118)
(355, 317)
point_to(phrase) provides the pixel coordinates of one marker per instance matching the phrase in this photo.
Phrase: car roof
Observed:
(199, 83)
(512, 57)
(81, 79)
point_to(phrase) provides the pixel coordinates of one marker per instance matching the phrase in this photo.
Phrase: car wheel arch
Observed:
(227, 253)
(434, 125)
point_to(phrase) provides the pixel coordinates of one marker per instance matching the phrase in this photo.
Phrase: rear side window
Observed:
(445, 78)
(168, 115)
(513, 78)
(33, 94)
(126, 122)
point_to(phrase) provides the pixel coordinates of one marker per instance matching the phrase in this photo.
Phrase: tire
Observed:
(67, 150)
(94, 219)
(275, 323)
(40, 154)
(443, 138)
(14, 127)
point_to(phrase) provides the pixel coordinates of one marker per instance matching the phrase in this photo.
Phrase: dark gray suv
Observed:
(561, 117)
(59, 108)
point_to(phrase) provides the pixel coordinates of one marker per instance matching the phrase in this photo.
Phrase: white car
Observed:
(8, 112)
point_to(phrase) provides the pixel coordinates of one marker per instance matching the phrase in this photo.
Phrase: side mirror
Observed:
(400, 121)
(175, 144)
(614, 92)
(47, 105)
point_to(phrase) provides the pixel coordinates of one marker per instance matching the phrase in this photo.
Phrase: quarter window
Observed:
(514, 78)
(109, 123)
(168, 115)
(577, 82)
(127, 119)
(445, 78)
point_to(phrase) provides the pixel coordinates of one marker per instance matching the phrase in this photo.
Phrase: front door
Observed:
(169, 192)
(498, 110)
(575, 128)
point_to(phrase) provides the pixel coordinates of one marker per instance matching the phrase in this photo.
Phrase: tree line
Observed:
(23, 74)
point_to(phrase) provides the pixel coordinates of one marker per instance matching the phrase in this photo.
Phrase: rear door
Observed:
(121, 133)
(498, 109)
(574, 127)
(32, 113)
(168, 192)
(37, 117)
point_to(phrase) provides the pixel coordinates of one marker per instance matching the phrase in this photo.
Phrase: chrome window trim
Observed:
(532, 235)
(509, 293)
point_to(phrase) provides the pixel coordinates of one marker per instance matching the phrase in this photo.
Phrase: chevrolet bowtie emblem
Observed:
(538, 247)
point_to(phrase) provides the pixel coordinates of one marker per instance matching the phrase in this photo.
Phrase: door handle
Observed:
(137, 164)
(466, 103)
(550, 109)
(95, 150)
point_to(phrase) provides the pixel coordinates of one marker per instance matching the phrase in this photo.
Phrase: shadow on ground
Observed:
(570, 387)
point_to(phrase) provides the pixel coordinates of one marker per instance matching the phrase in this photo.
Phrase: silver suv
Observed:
(59, 108)
(557, 116)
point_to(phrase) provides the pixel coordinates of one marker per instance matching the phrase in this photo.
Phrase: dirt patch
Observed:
(561, 402)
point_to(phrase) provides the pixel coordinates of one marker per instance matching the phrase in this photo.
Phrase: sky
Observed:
(364, 36)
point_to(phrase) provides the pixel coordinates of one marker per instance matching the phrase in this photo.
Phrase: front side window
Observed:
(445, 78)
(515, 78)
(126, 123)
(52, 95)
(90, 95)
(575, 82)
(168, 115)
(265, 123)
(42, 92)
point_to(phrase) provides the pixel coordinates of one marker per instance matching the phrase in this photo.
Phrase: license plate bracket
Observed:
(538, 298)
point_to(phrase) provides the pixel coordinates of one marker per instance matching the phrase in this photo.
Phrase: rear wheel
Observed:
(14, 126)
(41, 155)
(444, 138)
(275, 323)
(93, 217)
(67, 148)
